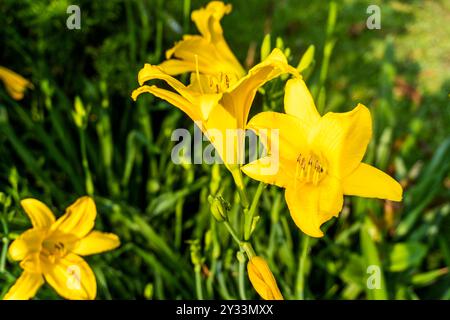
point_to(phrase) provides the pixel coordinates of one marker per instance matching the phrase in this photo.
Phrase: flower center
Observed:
(309, 169)
(54, 248)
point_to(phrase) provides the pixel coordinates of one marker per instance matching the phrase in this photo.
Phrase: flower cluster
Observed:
(319, 156)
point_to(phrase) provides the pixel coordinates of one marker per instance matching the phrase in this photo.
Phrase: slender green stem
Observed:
(5, 241)
(237, 176)
(198, 282)
(252, 211)
(88, 178)
(232, 232)
(301, 268)
(242, 276)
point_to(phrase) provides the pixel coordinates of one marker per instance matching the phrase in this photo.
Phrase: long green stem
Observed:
(232, 232)
(252, 211)
(242, 275)
(301, 268)
(88, 178)
(5, 241)
(198, 282)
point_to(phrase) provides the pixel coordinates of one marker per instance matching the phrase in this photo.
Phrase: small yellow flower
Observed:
(51, 250)
(262, 279)
(319, 159)
(15, 84)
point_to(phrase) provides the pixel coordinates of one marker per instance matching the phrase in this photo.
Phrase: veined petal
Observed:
(79, 218)
(27, 243)
(175, 66)
(342, 138)
(208, 19)
(331, 198)
(221, 130)
(304, 205)
(291, 134)
(171, 97)
(71, 277)
(194, 104)
(298, 102)
(195, 53)
(96, 242)
(208, 53)
(243, 91)
(368, 181)
(150, 72)
(270, 170)
(39, 214)
(25, 287)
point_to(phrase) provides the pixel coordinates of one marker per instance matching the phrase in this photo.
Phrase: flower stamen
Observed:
(308, 169)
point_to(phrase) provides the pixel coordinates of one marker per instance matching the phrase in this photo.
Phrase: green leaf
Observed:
(406, 255)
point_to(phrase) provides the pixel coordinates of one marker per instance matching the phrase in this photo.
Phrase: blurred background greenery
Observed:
(160, 210)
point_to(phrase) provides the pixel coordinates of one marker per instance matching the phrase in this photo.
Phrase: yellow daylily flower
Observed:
(222, 104)
(15, 84)
(51, 250)
(262, 279)
(208, 52)
(319, 159)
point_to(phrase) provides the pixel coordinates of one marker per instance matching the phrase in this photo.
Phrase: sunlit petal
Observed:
(368, 181)
(96, 242)
(79, 218)
(39, 214)
(25, 287)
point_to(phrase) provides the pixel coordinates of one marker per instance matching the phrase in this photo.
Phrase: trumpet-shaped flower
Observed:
(262, 279)
(15, 84)
(218, 102)
(208, 52)
(319, 159)
(51, 250)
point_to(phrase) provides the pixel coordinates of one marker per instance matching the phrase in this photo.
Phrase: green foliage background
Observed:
(400, 72)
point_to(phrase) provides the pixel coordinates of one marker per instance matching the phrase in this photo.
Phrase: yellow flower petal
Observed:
(331, 198)
(71, 277)
(306, 208)
(291, 133)
(96, 242)
(25, 287)
(262, 279)
(27, 243)
(343, 138)
(195, 53)
(173, 98)
(298, 102)
(208, 19)
(268, 171)
(243, 92)
(79, 218)
(15, 83)
(39, 214)
(208, 53)
(368, 181)
(196, 105)
(32, 263)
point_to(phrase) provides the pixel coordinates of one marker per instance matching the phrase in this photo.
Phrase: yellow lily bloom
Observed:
(51, 250)
(217, 102)
(208, 52)
(15, 84)
(319, 159)
(262, 279)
